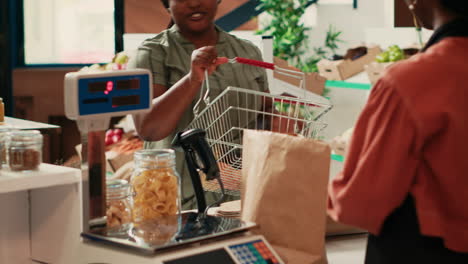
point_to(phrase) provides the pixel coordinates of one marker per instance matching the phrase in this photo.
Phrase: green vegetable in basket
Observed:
(294, 110)
(281, 107)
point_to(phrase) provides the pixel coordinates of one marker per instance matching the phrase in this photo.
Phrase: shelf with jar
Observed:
(42, 213)
(47, 175)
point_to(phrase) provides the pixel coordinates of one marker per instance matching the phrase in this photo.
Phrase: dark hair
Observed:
(459, 7)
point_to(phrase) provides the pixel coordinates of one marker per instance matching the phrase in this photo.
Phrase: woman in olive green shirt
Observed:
(178, 58)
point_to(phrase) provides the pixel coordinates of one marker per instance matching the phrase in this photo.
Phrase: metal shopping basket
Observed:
(236, 109)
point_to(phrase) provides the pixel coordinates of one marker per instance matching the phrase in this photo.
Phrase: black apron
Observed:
(400, 240)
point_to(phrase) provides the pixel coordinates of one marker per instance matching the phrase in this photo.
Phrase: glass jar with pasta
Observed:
(118, 206)
(155, 184)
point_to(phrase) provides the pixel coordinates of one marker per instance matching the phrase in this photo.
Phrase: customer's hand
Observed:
(204, 58)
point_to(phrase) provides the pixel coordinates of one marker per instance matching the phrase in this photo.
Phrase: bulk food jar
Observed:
(118, 205)
(155, 184)
(156, 195)
(25, 150)
(3, 147)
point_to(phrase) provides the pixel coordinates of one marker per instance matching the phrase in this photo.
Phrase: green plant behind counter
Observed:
(290, 34)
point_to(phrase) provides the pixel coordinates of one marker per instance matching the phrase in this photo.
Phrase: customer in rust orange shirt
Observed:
(405, 177)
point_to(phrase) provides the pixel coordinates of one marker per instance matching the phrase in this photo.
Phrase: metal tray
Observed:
(156, 236)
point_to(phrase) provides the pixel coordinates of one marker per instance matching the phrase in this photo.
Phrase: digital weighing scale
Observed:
(92, 99)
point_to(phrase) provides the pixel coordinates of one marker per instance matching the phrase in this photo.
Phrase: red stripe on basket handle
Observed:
(256, 63)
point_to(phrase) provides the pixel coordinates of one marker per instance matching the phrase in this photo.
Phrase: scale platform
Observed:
(189, 230)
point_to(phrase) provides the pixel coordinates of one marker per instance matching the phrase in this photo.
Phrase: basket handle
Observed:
(256, 63)
(205, 97)
(286, 72)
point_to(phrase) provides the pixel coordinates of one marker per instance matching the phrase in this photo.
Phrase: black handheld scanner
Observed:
(199, 157)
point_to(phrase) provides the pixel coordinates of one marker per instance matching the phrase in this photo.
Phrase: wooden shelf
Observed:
(47, 175)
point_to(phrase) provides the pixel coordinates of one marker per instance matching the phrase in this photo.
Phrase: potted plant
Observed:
(290, 34)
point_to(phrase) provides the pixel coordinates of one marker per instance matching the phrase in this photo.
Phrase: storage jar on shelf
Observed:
(3, 147)
(25, 150)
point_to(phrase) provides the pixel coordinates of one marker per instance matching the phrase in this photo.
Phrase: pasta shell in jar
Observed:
(118, 206)
(156, 185)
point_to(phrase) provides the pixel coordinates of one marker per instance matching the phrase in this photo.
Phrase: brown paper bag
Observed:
(284, 191)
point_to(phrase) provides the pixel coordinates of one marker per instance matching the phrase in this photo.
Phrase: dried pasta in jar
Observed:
(118, 206)
(155, 183)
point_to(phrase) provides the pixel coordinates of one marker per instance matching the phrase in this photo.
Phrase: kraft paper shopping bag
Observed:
(284, 191)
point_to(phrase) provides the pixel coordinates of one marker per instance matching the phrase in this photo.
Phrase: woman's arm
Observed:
(170, 104)
(168, 107)
(380, 165)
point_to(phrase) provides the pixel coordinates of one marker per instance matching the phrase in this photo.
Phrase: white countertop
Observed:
(47, 175)
(346, 249)
(16, 123)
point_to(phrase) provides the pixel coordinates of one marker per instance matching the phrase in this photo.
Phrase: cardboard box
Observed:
(116, 160)
(314, 82)
(375, 70)
(108, 156)
(122, 152)
(343, 69)
(113, 158)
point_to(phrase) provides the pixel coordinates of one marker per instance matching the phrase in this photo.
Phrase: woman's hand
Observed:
(204, 58)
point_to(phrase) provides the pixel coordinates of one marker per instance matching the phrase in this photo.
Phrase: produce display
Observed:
(356, 53)
(113, 136)
(156, 194)
(127, 145)
(351, 54)
(395, 53)
(119, 62)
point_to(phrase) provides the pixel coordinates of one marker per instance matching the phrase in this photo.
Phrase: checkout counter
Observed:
(41, 223)
(50, 214)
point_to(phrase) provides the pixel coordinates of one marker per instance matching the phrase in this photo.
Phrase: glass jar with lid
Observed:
(3, 147)
(25, 150)
(118, 205)
(156, 187)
